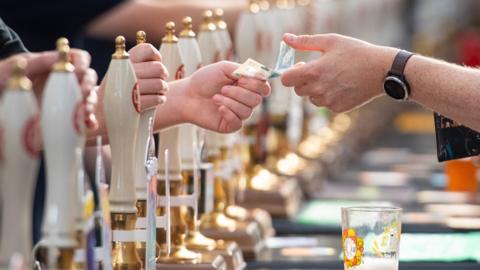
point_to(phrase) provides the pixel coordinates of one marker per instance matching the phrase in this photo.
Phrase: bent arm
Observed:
(151, 16)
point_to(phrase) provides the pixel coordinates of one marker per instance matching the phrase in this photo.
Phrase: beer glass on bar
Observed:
(371, 237)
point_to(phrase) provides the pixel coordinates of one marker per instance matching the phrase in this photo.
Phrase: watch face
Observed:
(395, 88)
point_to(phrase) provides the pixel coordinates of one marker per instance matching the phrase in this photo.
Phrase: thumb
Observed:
(310, 42)
(226, 67)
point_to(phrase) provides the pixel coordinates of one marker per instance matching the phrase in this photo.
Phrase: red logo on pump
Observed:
(1, 144)
(136, 97)
(229, 55)
(180, 73)
(30, 136)
(79, 116)
(259, 41)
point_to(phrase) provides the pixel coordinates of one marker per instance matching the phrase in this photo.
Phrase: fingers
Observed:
(299, 74)
(89, 91)
(255, 85)
(152, 86)
(88, 81)
(246, 97)
(240, 110)
(321, 43)
(144, 52)
(91, 121)
(40, 63)
(151, 101)
(151, 74)
(91, 101)
(81, 61)
(229, 120)
(150, 70)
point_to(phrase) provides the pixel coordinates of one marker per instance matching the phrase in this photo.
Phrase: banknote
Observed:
(252, 68)
(285, 58)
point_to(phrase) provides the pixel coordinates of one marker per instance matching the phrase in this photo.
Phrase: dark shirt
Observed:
(10, 43)
(41, 22)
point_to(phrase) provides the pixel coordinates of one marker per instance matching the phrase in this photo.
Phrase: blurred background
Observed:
(384, 153)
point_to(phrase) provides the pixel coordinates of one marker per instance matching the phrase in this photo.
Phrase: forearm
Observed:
(449, 89)
(173, 111)
(151, 16)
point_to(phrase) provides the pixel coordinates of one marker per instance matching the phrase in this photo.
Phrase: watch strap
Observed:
(399, 63)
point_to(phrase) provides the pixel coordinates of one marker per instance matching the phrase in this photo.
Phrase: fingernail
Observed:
(289, 37)
(299, 64)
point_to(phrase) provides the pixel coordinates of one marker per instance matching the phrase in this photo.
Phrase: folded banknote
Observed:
(252, 68)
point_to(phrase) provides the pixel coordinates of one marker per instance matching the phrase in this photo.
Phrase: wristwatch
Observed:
(395, 84)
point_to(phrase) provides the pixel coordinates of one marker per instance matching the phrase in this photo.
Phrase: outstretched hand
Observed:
(349, 73)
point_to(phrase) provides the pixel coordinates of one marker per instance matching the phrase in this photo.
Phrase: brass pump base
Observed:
(247, 235)
(218, 263)
(257, 215)
(124, 254)
(198, 242)
(179, 255)
(282, 201)
(232, 254)
(64, 259)
(210, 249)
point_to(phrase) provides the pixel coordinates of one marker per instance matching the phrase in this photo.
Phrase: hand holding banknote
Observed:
(224, 101)
(251, 68)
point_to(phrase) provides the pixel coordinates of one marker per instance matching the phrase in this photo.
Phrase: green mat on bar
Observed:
(327, 213)
(445, 247)
(436, 247)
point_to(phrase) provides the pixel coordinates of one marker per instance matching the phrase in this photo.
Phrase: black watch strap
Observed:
(399, 63)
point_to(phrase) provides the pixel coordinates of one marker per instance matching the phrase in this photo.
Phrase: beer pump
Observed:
(169, 141)
(193, 169)
(141, 151)
(122, 114)
(19, 123)
(209, 43)
(63, 132)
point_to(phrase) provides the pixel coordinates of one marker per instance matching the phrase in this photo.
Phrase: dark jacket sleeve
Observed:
(10, 42)
(44, 21)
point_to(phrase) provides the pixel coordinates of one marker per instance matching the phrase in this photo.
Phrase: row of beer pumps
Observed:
(215, 193)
